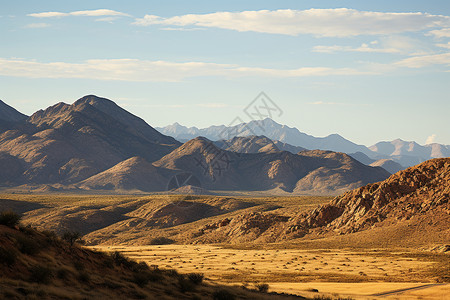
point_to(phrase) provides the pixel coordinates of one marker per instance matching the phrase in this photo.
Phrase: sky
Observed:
(368, 70)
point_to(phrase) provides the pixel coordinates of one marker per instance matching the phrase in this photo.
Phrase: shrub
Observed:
(28, 245)
(121, 260)
(84, 277)
(28, 230)
(154, 276)
(51, 237)
(72, 237)
(185, 284)
(108, 263)
(141, 279)
(9, 218)
(140, 267)
(161, 241)
(79, 266)
(41, 274)
(196, 278)
(172, 273)
(62, 273)
(223, 295)
(263, 287)
(7, 256)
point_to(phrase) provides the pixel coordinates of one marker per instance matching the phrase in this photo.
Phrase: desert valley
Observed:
(225, 150)
(259, 217)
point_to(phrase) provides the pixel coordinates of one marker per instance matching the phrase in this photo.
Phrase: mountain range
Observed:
(93, 144)
(404, 153)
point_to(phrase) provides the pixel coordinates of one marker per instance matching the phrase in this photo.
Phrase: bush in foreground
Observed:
(41, 274)
(72, 237)
(7, 256)
(196, 278)
(9, 218)
(223, 295)
(262, 287)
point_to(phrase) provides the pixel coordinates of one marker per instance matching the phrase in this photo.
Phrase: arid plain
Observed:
(364, 265)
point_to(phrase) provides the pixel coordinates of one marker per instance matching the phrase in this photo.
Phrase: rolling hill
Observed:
(93, 144)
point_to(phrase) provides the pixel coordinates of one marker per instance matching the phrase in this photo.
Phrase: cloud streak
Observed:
(362, 48)
(154, 71)
(339, 22)
(423, 61)
(82, 13)
(37, 25)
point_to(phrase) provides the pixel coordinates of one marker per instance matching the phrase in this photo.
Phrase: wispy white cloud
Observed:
(337, 103)
(325, 103)
(106, 19)
(85, 13)
(156, 71)
(212, 105)
(444, 45)
(431, 139)
(362, 48)
(391, 44)
(37, 25)
(340, 22)
(181, 29)
(422, 61)
(441, 33)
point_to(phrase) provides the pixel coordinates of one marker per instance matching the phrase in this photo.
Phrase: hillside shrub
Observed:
(72, 237)
(9, 218)
(185, 285)
(196, 278)
(40, 274)
(121, 260)
(7, 256)
(84, 277)
(28, 245)
(62, 273)
(223, 295)
(262, 287)
(161, 241)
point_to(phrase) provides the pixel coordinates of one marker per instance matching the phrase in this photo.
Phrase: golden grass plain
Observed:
(334, 273)
(358, 266)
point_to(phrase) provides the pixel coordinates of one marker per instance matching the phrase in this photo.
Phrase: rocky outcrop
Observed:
(415, 191)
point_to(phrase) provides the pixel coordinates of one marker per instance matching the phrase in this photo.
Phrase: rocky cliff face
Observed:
(414, 192)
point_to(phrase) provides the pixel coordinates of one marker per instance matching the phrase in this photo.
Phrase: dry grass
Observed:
(356, 265)
(349, 273)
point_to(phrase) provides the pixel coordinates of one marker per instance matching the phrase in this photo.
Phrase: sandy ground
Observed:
(347, 273)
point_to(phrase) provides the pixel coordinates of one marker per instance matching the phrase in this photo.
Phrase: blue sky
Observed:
(368, 70)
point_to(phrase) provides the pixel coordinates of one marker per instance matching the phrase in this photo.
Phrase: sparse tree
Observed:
(72, 237)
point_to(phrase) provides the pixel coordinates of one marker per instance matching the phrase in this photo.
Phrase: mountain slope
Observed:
(388, 164)
(39, 265)
(10, 114)
(9, 117)
(255, 144)
(69, 143)
(418, 193)
(306, 172)
(270, 129)
(132, 174)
